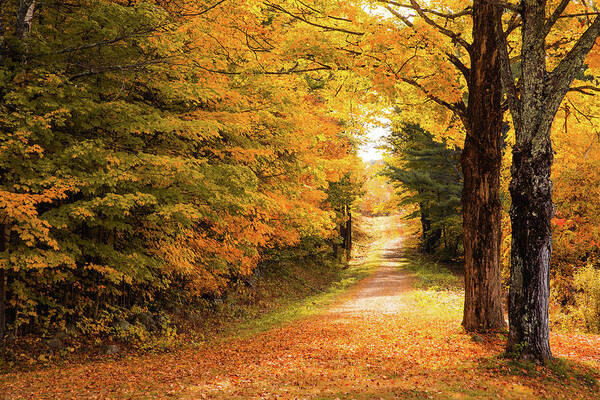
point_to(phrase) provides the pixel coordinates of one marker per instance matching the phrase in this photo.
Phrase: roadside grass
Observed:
(287, 309)
(439, 294)
(296, 290)
(438, 288)
(418, 351)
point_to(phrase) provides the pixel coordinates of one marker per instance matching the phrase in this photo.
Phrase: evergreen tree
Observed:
(427, 174)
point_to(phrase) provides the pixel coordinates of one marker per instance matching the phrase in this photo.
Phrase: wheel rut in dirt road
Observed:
(383, 291)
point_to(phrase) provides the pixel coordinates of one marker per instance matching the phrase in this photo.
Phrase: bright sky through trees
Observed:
(171, 170)
(369, 150)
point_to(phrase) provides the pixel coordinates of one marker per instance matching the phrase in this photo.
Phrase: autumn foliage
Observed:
(155, 152)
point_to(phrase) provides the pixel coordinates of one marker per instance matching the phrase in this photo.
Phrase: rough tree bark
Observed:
(481, 161)
(25, 18)
(541, 93)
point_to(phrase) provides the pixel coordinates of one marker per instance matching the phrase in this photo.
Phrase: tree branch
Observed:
(205, 10)
(277, 7)
(457, 108)
(563, 75)
(123, 67)
(289, 71)
(447, 32)
(459, 65)
(107, 41)
(555, 15)
(399, 16)
(322, 13)
(508, 82)
(586, 14)
(585, 89)
(466, 11)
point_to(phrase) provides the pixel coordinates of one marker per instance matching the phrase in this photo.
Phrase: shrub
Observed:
(587, 298)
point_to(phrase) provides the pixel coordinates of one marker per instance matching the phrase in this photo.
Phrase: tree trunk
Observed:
(2, 303)
(533, 108)
(3, 279)
(348, 232)
(430, 237)
(25, 18)
(2, 31)
(531, 211)
(343, 228)
(531, 193)
(481, 161)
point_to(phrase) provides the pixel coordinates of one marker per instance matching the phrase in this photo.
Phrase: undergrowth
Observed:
(279, 293)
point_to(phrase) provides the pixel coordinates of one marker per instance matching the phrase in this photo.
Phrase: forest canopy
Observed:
(132, 173)
(154, 153)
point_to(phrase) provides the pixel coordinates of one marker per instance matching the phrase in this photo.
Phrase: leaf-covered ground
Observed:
(394, 335)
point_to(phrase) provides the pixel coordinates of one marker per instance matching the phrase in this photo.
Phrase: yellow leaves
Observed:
(110, 273)
(240, 154)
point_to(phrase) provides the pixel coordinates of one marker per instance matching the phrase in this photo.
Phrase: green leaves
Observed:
(427, 176)
(126, 167)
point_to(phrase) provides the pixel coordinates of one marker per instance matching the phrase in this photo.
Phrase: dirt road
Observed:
(383, 339)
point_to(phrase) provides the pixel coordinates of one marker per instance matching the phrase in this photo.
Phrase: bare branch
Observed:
(447, 32)
(277, 7)
(459, 65)
(513, 23)
(458, 108)
(205, 10)
(399, 16)
(289, 71)
(465, 12)
(512, 97)
(322, 13)
(585, 89)
(555, 15)
(587, 14)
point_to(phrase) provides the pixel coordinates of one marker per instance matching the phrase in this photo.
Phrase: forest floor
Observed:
(394, 335)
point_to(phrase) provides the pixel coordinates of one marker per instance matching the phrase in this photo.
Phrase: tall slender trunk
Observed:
(425, 228)
(3, 279)
(348, 233)
(2, 303)
(481, 161)
(2, 31)
(533, 109)
(25, 18)
(531, 193)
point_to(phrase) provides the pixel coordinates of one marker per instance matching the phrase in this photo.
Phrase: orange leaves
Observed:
(20, 210)
(593, 58)
(560, 222)
(380, 340)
